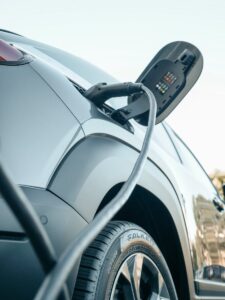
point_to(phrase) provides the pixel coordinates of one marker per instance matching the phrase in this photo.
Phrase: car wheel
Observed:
(123, 263)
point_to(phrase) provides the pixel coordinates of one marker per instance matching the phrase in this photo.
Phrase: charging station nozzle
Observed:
(101, 92)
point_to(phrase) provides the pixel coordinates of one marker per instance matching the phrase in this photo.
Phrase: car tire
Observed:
(123, 262)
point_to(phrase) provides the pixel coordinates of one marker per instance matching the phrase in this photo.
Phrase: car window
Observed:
(192, 164)
(161, 137)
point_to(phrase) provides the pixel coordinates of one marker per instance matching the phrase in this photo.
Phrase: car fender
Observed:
(99, 162)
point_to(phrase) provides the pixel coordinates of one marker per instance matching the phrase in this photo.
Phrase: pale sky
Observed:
(121, 37)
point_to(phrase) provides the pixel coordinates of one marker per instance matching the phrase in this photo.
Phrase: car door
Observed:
(204, 215)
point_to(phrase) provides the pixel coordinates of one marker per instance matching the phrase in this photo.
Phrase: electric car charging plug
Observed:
(54, 281)
(101, 92)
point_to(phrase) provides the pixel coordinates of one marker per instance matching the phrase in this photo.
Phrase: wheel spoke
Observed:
(155, 296)
(163, 292)
(128, 292)
(159, 290)
(135, 267)
(126, 272)
(127, 285)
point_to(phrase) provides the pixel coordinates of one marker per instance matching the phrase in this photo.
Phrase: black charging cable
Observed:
(54, 281)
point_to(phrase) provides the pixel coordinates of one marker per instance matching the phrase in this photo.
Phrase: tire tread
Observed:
(93, 257)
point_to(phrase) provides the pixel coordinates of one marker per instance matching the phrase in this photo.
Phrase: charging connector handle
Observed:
(101, 92)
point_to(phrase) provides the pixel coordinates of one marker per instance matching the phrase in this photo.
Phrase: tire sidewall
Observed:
(130, 241)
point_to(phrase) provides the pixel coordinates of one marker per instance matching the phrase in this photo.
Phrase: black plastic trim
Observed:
(25, 60)
(13, 236)
(208, 288)
(11, 32)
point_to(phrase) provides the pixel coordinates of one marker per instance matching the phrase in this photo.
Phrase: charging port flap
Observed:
(170, 75)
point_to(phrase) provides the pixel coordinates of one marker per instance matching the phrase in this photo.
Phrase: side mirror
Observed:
(170, 75)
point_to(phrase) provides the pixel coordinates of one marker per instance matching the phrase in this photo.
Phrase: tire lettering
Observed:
(134, 235)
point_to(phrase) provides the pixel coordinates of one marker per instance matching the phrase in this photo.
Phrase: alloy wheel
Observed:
(139, 279)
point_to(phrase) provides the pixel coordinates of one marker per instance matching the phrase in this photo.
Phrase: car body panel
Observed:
(204, 221)
(65, 90)
(43, 123)
(20, 267)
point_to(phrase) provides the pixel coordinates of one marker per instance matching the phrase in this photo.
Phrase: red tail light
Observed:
(9, 53)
